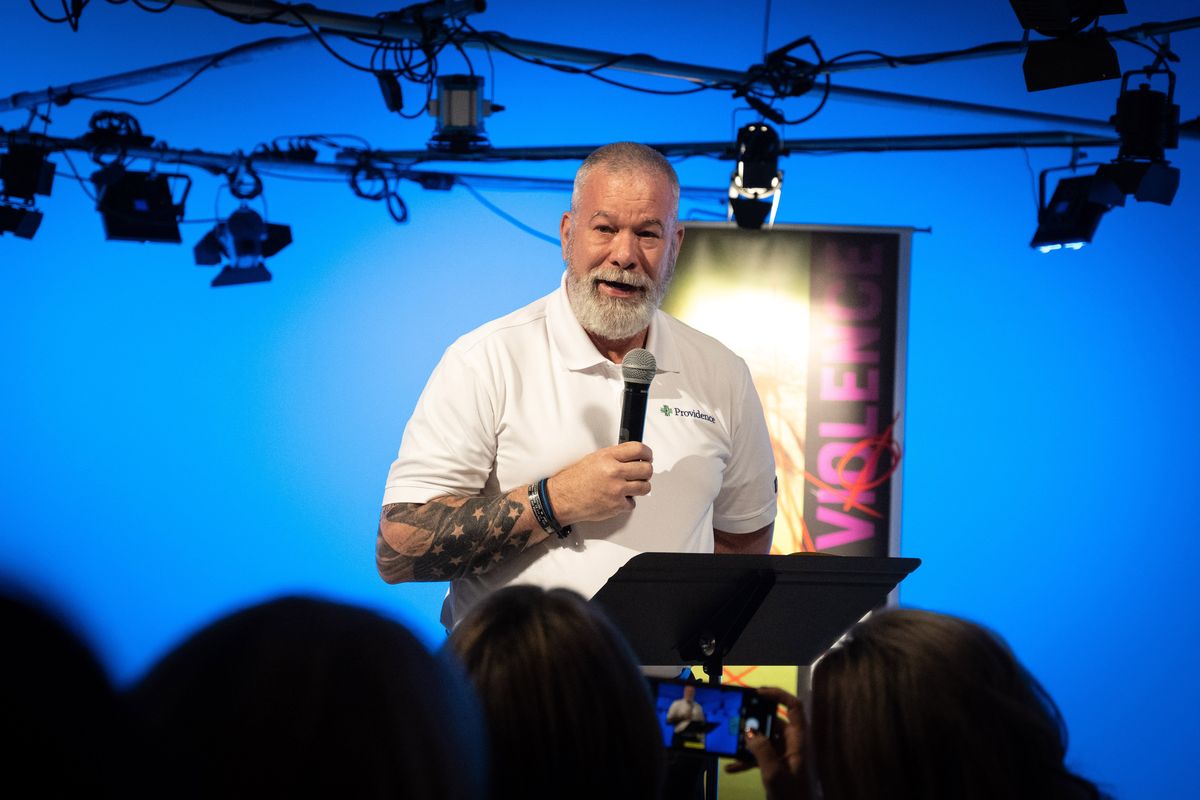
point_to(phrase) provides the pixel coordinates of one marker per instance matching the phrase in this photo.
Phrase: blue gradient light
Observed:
(172, 451)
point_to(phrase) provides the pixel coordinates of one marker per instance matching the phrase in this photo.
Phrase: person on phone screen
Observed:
(681, 714)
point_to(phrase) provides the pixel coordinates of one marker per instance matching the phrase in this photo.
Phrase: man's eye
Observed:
(603, 229)
(648, 234)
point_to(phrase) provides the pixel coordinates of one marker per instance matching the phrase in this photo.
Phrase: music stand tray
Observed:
(704, 608)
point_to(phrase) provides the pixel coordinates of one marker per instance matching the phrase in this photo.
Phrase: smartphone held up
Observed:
(710, 719)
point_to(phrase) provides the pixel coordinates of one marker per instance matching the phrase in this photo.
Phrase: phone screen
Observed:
(707, 718)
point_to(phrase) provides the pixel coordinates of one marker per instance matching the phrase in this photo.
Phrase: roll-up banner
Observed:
(819, 315)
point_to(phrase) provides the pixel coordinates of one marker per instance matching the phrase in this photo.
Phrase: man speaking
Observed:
(510, 470)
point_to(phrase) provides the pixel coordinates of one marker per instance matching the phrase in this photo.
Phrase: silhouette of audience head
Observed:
(916, 704)
(300, 697)
(62, 730)
(569, 711)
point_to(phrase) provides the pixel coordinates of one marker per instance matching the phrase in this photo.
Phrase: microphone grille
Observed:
(638, 366)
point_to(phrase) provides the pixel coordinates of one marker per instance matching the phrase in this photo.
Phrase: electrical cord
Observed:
(72, 11)
(166, 6)
(504, 215)
(64, 99)
(492, 39)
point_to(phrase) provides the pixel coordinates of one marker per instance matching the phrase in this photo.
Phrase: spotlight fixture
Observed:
(1070, 56)
(1147, 181)
(1148, 123)
(243, 240)
(1063, 17)
(20, 221)
(139, 206)
(756, 182)
(460, 109)
(1069, 61)
(1070, 219)
(24, 172)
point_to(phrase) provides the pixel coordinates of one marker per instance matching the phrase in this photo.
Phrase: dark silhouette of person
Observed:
(63, 731)
(305, 697)
(569, 712)
(915, 705)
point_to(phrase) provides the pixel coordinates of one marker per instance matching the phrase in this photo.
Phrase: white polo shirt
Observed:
(528, 394)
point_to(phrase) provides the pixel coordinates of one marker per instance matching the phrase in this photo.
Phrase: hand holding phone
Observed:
(780, 759)
(710, 718)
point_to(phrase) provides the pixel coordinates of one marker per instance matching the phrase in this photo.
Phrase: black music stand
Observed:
(702, 608)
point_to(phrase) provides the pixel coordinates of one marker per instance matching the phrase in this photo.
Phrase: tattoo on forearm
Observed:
(449, 538)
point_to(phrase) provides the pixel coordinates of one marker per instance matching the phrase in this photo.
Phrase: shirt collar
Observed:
(575, 349)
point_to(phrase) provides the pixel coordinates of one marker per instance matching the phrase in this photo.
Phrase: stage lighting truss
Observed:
(242, 241)
(24, 172)
(756, 182)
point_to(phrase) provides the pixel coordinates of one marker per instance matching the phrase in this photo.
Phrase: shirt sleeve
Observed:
(747, 502)
(449, 444)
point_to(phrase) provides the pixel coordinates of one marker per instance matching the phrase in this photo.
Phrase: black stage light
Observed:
(24, 172)
(460, 109)
(756, 182)
(1147, 181)
(139, 206)
(243, 240)
(1148, 123)
(1146, 120)
(20, 221)
(1069, 61)
(1063, 17)
(1071, 56)
(1071, 217)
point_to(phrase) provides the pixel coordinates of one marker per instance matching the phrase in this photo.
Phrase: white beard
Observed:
(615, 318)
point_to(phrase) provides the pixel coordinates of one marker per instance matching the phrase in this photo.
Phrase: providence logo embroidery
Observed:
(667, 411)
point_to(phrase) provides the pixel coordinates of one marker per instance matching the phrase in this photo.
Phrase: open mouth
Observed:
(619, 287)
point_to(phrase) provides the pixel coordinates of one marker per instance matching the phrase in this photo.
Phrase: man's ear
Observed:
(564, 232)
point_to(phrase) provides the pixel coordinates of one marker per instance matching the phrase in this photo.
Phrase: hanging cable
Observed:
(504, 215)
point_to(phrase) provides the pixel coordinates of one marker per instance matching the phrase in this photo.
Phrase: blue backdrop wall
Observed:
(173, 451)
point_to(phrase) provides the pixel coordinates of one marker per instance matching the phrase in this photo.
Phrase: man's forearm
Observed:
(758, 541)
(452, 537)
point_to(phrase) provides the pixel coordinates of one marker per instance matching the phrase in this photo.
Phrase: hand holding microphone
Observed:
(604, 484)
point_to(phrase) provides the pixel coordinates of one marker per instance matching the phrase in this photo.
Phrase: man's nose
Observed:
(625, 250)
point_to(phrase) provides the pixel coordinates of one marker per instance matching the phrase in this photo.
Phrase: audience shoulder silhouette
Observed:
(915, 704)
(568, 709)
(306, 697)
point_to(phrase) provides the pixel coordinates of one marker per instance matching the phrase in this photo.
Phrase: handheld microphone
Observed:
(637, 368)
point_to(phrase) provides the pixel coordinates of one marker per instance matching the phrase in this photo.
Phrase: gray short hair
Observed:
(625, 157)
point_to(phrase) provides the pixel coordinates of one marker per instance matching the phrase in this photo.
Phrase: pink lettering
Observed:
(851, 430)
(848, 344)
(828, 458)
(838, 498)
(851, 529)
(843, 384)
(870, 301)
